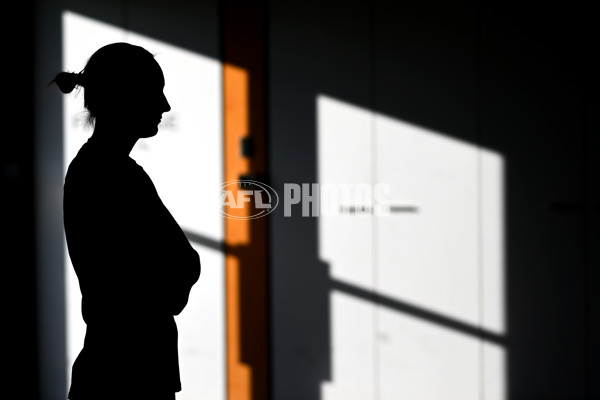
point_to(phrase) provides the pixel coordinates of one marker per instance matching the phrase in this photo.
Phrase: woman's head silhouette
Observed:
(123, 90)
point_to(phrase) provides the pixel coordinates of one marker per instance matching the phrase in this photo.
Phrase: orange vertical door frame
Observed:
(246, 269)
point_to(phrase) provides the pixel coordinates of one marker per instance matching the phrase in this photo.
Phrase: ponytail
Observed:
(66, 81)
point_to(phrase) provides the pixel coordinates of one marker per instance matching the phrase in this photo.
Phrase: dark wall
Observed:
(513, 78)
(534, 83)
(17, 204)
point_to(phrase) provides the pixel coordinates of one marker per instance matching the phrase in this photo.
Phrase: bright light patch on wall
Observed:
(352, 350)
(435, 263)
(185, 163)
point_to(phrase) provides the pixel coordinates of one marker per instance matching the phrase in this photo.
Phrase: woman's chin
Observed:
(148, 133)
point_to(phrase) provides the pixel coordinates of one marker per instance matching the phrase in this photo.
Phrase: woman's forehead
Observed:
(150, 74)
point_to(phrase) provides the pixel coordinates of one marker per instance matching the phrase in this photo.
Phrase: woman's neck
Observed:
(114, 139)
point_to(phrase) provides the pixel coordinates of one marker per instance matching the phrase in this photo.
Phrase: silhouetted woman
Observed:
(134, 264)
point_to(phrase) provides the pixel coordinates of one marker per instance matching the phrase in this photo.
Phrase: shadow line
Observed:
(204, 241)
(381, 300)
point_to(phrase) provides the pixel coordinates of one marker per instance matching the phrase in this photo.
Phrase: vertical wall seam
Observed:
(374, 264)
(479, 140)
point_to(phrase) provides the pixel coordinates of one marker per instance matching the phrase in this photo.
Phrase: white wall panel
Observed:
(428, 259)
(344, 157)
(493, 288)
(416, 284)
(421, 360)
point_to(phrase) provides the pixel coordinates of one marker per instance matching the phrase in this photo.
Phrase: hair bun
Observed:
(66, 81)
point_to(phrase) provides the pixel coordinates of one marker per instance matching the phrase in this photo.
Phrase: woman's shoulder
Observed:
(91, 168)
(83, 166)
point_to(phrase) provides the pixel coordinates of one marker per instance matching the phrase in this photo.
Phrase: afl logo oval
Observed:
(247, 199)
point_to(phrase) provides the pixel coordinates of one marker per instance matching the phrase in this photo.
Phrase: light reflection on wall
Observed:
(437, 262)
(185, 163)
